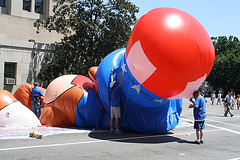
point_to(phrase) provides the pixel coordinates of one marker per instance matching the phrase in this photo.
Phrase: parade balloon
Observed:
(71, 100)
(168, 56)
(170, 49)
(14, 114)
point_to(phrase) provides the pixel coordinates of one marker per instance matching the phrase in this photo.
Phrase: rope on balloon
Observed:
(126, 100)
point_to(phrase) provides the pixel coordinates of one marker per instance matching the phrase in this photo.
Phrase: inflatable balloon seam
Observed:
(61, 94)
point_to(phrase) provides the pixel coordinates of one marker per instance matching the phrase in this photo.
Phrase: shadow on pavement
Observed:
(135, 137)
(185, 141)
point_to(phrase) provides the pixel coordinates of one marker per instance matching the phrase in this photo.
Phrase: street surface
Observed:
(221, 142)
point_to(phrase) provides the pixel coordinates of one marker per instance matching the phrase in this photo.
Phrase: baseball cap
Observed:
(36, 84)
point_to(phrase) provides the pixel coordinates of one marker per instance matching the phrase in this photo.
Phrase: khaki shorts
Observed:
(115, 112)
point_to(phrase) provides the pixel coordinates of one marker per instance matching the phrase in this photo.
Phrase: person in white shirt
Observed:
(227, 103)
(212, 97)
(219, 96)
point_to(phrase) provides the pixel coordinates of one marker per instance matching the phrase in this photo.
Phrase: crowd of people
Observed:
(231, 99)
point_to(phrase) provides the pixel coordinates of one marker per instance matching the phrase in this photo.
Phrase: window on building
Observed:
(39, 6)
(27, 5)
(2, 3)
(10, 73)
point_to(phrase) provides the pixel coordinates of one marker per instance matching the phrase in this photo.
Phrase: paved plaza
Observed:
(221, 141)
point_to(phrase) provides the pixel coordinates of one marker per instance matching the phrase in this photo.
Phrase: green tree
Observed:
(222, 44)
(225, 72)
(91, 28)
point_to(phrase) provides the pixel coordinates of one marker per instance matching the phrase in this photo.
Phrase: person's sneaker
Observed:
(232, 115)
(197, 142)
(112, 130)
(201, 141)
(118, 132)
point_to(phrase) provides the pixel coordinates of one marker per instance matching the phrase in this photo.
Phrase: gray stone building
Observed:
(22, 49)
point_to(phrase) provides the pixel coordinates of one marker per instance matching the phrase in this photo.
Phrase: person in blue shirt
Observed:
(36, 93)
(199, 112)
(115, 103)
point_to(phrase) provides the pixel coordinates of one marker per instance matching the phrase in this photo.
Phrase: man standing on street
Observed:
(115, 103)
(227, 103)
(199, 113)
(36, 93)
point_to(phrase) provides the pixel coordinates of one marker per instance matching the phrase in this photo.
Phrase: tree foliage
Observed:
(225, 72)
(91, 28)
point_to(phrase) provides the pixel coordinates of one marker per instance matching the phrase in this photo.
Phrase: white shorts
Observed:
(115, 112)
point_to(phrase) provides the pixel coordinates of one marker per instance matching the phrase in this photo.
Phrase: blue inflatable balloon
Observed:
(141, 110)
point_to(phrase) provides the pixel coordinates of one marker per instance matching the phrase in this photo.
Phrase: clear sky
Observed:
(219, 17)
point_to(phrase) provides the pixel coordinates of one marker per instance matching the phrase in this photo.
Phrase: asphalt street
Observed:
(221, 141)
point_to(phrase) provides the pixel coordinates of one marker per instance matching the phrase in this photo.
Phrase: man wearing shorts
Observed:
(115, 103)
(199, 112)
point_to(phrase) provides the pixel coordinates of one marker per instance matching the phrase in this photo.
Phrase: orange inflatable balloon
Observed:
(23, 94)
(52, 116)
(92, 74)
(61, 99)
(14, 113)
(6, 98)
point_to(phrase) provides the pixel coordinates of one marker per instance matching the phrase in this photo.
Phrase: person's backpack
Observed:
(36, 98)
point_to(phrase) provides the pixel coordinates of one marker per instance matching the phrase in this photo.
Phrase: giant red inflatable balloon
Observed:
(170, 49)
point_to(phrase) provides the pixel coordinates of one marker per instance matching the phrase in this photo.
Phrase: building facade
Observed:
(22, 49)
